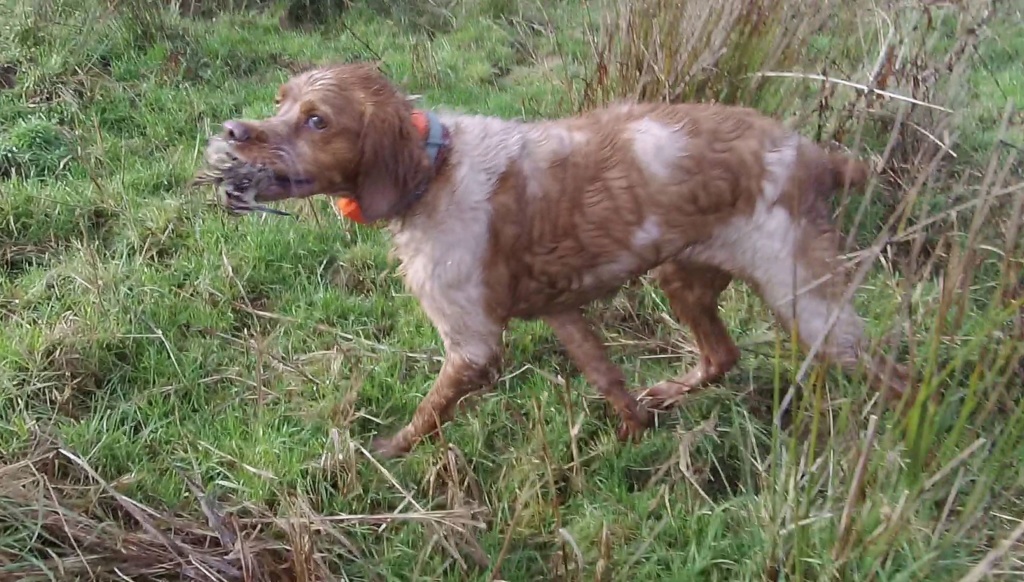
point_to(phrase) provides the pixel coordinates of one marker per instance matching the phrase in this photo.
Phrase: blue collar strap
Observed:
(437, 137)
(437, 143)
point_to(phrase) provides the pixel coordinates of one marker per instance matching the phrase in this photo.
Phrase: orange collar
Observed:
(349, 208)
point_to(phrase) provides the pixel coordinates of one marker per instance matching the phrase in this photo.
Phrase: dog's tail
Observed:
(848, 172)
(829, 174)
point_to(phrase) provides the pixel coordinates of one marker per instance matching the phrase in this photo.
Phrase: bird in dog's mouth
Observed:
(241, 185)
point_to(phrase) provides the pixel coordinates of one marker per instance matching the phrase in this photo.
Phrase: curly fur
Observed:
(536, 220)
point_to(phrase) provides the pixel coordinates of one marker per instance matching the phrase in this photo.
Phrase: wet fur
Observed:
(536, 220)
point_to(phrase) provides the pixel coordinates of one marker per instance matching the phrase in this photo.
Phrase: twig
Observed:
(855, 488)
(948, 468)
(984, 567)
(211, 509)
(440, 535)
(864, 88)
(508, 535)
(332, 330)
(183, 553)
(444, 516)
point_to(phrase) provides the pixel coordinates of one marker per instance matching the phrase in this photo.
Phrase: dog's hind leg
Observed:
(692, 290)
(793, 265)
(588, 352)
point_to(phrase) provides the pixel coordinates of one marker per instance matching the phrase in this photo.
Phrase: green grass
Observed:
(151, 337)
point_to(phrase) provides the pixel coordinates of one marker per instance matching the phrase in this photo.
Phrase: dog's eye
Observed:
(316, 122)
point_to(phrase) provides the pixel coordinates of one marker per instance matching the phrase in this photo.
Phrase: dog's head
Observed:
(342, 130)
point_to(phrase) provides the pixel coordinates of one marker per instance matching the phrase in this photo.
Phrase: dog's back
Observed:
(592, 201)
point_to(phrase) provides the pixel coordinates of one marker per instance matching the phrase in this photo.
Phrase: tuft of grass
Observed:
(657, 50)
(34, 148)
(188, 395)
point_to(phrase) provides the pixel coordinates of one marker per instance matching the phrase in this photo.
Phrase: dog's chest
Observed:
(443, 262)
(444, 249)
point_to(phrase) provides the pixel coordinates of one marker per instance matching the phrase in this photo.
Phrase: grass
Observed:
(176, 384)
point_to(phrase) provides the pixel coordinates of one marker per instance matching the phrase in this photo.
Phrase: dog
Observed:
(495, 219)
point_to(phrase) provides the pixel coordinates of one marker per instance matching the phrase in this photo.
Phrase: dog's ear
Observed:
(393, 161)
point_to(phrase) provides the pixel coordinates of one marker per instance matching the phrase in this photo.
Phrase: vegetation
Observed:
(185, 395)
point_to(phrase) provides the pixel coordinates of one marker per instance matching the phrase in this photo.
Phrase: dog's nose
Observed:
(236, 131)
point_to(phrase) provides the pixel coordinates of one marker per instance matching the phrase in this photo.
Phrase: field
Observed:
(188, 395)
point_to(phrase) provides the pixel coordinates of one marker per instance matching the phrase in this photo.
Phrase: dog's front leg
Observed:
(588, 353)
(459, 377)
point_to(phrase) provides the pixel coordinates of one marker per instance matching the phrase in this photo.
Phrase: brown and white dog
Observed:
(495, 219)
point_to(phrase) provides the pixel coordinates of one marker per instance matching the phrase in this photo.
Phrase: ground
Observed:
(163, 363)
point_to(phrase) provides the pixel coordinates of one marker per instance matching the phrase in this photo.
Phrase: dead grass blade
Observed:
(74, 524)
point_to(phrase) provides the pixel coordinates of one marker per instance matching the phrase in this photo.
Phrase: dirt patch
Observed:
(719, 480)
(98, 220)
(16, 259)
(25, 250)
(65, 375)
(307, 14)
(355, 278)
(632, 319)
(245, 319)
(8, 76)
(214, 8)
(75, 90)
(293, 66)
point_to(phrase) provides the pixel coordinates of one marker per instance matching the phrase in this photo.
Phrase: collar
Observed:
(435, 136)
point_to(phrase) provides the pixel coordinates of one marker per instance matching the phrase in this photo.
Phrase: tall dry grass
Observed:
(937, 233)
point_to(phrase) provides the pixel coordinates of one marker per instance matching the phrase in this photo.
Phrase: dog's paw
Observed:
(389, 448)
(664, 395)
(632, 428)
